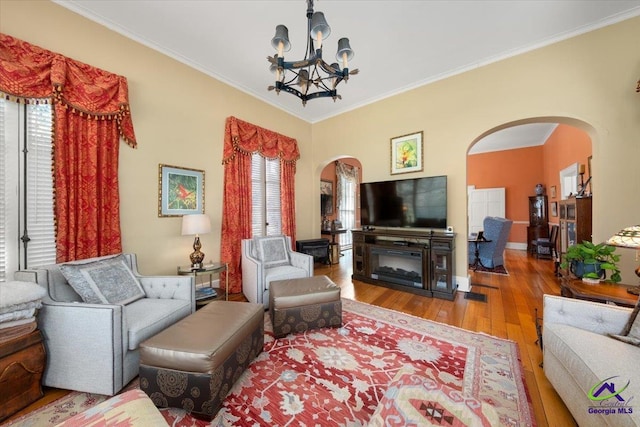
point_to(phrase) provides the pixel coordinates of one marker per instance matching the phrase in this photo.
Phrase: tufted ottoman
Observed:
(296, 305)
(194, 363)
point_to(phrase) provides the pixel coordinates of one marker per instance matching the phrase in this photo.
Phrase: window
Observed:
(265, 197)
(27, 233)
(347, 209)
(348, 178)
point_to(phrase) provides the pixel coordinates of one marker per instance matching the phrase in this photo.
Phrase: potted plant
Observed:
(590, 261)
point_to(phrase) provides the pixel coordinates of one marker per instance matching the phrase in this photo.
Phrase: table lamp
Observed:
(628, 237)
(196, 224)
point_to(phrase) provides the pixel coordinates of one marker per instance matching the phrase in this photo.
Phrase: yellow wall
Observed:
(179, 113)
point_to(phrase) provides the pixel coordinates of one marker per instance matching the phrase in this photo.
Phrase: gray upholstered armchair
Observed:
(491, 253)
(93, 346)
(267, 259)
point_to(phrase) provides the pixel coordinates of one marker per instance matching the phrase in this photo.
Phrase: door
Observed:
(482, 203)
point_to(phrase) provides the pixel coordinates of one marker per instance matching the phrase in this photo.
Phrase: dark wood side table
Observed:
(334, 247)
(601, 292)
(476, 252)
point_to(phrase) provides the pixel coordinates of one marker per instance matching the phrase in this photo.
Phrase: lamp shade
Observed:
(195, 224)
(282, 36)
(344, 48)
(319, 26)
(628, 237)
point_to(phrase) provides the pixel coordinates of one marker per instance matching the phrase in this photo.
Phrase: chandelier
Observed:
(313, 76)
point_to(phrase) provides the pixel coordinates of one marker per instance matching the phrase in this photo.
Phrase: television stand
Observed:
(416, 261)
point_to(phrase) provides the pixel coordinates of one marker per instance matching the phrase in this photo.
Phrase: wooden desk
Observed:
(601, 292)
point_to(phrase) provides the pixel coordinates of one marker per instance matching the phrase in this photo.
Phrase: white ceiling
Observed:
(528, 135)
(398, 45)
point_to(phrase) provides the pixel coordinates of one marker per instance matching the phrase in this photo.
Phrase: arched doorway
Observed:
(518, 156)
(339, 196)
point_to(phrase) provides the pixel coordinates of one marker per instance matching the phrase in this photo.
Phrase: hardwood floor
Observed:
(509, 312)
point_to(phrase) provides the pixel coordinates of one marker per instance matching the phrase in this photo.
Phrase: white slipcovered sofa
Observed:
(93, 347)
(585, 365)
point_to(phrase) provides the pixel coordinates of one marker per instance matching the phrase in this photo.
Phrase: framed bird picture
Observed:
(180, 191)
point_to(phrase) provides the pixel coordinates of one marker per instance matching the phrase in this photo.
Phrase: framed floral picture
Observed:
(180, 191)
(406, 153)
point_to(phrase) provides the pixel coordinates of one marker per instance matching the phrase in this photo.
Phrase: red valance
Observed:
(246, 138)
(31, 74)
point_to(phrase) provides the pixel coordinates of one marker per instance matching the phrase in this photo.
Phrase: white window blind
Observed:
(347, 210)
(41, 249)
(265, 193)
(26, 188)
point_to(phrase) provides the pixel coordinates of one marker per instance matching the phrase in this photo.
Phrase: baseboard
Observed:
(464, 283)
(517, 246)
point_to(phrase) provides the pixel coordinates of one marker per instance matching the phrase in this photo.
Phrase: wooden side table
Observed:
(600, 292)
(334, 247)
(476, 252)
(203, 296)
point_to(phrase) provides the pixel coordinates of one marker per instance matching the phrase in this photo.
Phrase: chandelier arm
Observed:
(344, 73)
(306, 62)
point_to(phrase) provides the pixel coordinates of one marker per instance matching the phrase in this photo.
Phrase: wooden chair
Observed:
(546, 247)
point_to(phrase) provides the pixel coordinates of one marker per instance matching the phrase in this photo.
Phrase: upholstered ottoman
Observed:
(296, 305)
(194, 363)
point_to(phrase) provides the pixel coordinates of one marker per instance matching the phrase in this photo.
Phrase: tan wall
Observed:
(179, 113)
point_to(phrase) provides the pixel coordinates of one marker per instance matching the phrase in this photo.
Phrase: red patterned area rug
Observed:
(382, 367)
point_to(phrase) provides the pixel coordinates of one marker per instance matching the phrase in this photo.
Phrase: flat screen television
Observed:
(414, 203)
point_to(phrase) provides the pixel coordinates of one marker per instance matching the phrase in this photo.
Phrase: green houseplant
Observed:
(591, 261)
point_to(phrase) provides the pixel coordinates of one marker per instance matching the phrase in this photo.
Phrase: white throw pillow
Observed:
(272, 251)
(108, 281)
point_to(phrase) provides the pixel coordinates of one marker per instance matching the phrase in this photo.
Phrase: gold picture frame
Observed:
(406, 153)
(180, 191)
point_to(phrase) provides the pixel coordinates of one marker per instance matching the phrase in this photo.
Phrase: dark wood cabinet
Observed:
(575, 221)
(442, 262)
(421, 262)
(538, 220)
(538, 214)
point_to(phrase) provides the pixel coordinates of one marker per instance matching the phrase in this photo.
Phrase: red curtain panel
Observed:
(242, 139)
